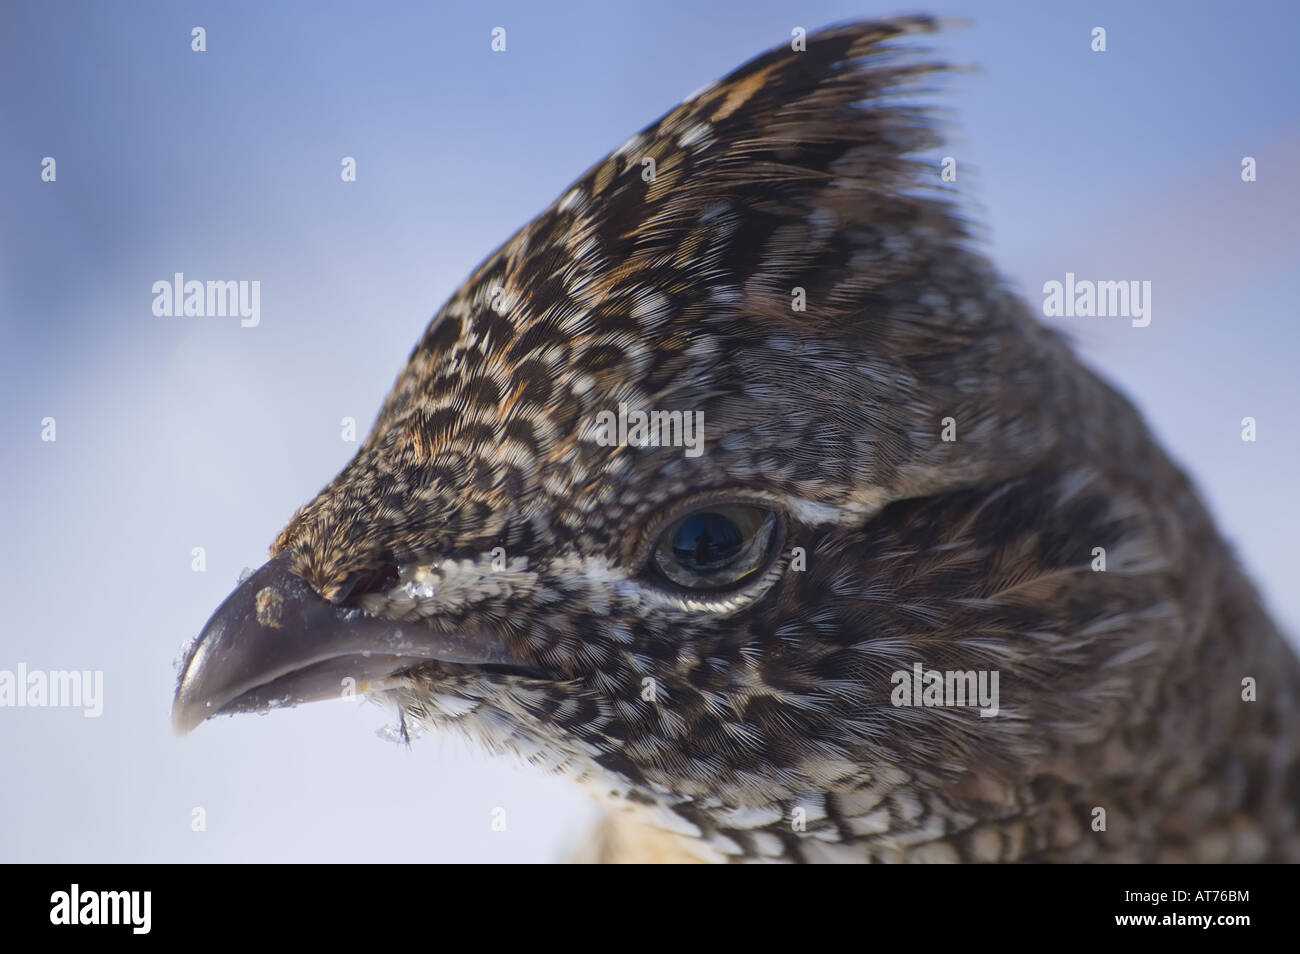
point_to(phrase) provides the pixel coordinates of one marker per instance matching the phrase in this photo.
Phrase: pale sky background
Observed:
(174, 434)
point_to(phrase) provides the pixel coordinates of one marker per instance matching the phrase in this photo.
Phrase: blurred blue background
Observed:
(175, 434)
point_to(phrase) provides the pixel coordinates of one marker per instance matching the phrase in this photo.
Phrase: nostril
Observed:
(361, 582)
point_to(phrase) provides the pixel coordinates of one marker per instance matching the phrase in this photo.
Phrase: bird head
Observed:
(737, 429)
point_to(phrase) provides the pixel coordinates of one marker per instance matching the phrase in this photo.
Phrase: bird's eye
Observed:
(716, 546)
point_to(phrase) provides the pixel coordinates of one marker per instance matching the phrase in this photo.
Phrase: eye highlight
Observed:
(715, 546)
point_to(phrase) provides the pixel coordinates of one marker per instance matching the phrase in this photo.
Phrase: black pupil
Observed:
(707, 540)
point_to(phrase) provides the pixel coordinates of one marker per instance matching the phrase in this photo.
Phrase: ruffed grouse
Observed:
(900, 470)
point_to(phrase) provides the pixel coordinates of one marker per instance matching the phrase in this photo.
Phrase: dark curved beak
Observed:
(274, 642)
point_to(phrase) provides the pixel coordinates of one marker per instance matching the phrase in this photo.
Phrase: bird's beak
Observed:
(274, 642)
